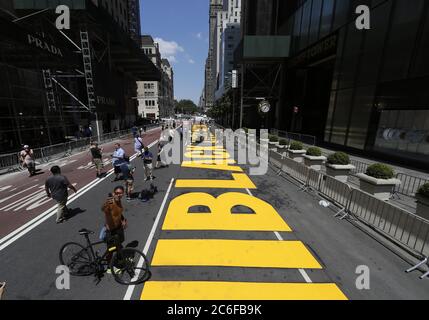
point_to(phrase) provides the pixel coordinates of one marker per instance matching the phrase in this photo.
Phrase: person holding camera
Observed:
(115, 222)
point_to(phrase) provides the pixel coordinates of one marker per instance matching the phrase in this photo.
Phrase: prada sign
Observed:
(26, 38)
(42, 44)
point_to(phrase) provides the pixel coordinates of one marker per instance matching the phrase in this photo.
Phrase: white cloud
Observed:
(169, 49)
(191, 61)
(199, 35)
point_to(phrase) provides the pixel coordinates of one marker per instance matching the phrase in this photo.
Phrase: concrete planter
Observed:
(339, 172)
(379, 188)
(314, 163)
(422, 206)
(297, 155)
(281, 147)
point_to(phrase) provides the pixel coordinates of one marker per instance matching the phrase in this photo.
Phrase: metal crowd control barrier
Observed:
(336, 191)
(409, 184)
(10, 162)
(296, 170)
(404, 228)
(360, 167)
(400, 225)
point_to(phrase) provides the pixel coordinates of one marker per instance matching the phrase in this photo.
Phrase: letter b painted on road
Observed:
(220, 216)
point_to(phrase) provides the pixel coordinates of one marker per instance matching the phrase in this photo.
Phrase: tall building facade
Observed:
(222, 13)
(156, 98)
(53, 86)
(230, 40)
(167, 90)
(134, 23)
(211, 64)
(357, 90)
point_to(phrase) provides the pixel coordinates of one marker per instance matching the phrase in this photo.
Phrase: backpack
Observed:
(148, 194)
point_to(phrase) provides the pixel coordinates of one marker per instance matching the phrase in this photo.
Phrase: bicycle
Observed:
(124, 263)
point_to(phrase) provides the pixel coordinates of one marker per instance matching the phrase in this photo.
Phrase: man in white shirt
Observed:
(117, 159)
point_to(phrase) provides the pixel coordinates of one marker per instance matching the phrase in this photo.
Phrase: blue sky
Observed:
(181, 28)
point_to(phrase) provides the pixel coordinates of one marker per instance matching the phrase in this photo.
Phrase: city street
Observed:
(262, 240)
(249, 152)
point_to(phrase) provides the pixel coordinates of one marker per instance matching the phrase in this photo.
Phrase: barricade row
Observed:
(10, 162)
(402, 226)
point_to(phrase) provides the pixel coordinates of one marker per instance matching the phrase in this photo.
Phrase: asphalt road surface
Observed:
(212, 232)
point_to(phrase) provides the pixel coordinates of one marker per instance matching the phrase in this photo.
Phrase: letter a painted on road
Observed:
(264, 218)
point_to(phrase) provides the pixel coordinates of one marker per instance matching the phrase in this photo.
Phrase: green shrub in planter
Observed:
(424, 190)
(339, 158)
(283, 142)
(380, 171)
(274, 138)
(296, 146)
(314, 152)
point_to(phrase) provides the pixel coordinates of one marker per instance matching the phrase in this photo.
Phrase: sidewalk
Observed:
(406, 202)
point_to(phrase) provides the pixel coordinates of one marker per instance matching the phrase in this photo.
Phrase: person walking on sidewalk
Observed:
(27, 160)
(57, 188)
(147, 157)
(97, 158)
(117, 160)
(127, 171)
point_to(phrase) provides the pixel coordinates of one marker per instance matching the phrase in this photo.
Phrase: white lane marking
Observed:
(22, 203)
(302, 271)
(130, 289)
(20, 232)
(5, 188)
(15, 194)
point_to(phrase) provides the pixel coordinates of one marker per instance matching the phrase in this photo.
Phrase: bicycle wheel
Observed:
(129, 266)
(77, 259)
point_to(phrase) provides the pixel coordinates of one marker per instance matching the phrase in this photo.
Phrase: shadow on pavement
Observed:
(74, 212)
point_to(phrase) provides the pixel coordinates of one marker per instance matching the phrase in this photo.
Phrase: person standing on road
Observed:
(134, 131)
(27, 160)
(128, 175)
(138, 145)
(117, 160)
(97, 158)
(147, 157)
(56, 187)
(115, 221)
